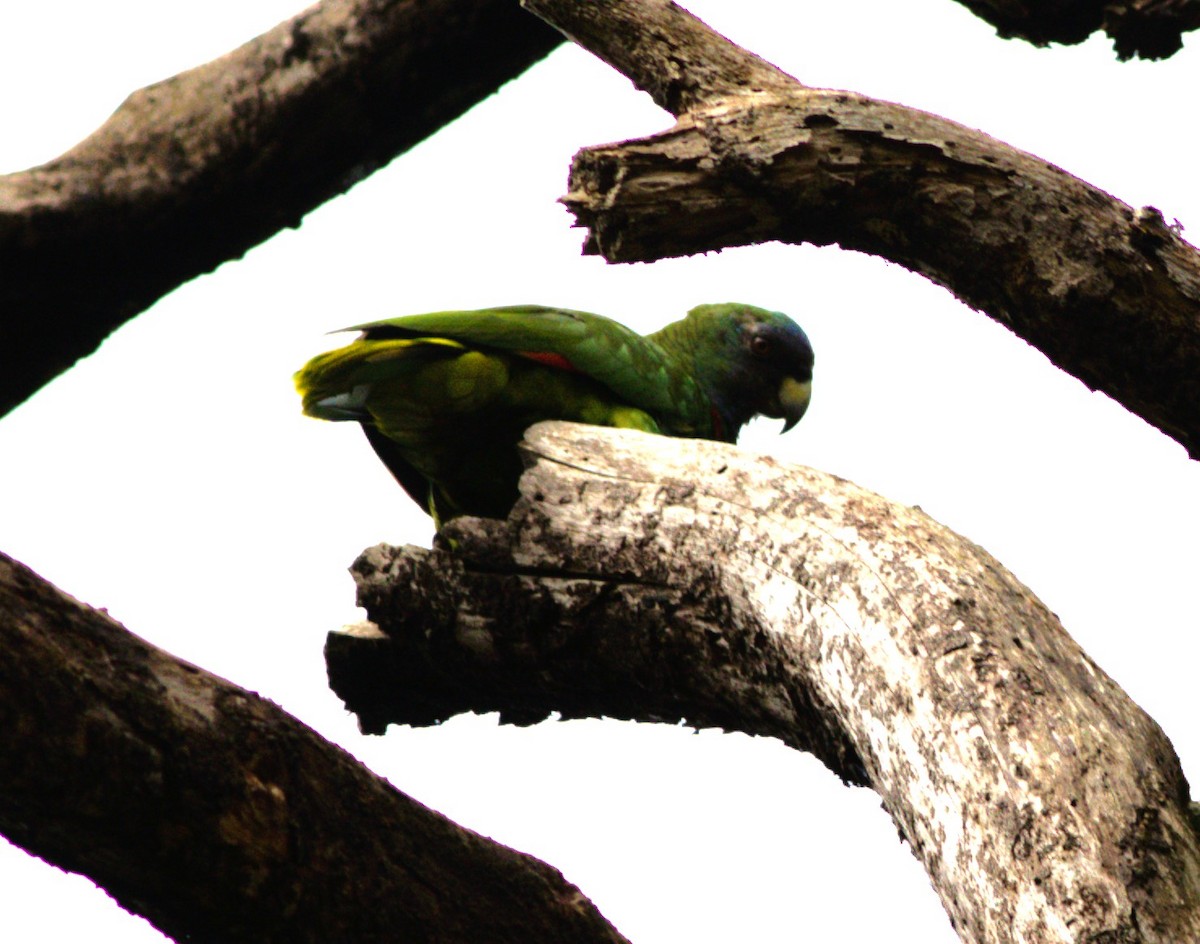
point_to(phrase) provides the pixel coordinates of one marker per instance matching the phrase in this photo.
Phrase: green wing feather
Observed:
(635, 368)
(445, 397)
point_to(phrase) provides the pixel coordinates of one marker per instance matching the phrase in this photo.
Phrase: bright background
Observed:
(171, 478)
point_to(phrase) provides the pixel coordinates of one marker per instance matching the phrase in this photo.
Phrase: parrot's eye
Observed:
(760, 345)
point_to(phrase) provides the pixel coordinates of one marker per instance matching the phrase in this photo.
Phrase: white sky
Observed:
(171, 478)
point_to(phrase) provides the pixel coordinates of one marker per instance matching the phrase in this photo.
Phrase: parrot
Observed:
(444, 398)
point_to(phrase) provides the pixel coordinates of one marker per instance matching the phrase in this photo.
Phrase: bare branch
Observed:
(1109, 294)
(1151, 29)
(194, 171)
(663, 50)
(219, 818)
(701, 583)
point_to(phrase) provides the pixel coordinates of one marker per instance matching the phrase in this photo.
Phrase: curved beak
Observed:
(793, 399)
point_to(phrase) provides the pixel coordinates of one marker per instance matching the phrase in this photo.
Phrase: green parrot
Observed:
(444, 398)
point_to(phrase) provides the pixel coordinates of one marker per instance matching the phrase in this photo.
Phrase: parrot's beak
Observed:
(793, 399)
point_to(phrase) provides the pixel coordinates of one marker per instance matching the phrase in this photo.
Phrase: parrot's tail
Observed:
(335, 385)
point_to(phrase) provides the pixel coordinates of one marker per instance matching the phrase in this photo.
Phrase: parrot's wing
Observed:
(635, 368)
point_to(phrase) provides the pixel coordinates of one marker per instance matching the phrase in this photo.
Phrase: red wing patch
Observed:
(550, 359)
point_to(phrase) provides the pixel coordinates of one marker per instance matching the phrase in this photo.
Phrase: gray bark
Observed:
(1109, 294)
(219, 818)
(197, 169)
(1044, 804)
(705, 584)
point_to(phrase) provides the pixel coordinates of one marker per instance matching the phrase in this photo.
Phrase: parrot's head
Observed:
(754, 362)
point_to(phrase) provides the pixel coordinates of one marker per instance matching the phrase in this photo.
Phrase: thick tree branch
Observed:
(1108, 294)
(194, 171)
(1152, 29)
(220, 818)
(663, 50)
(701, 583)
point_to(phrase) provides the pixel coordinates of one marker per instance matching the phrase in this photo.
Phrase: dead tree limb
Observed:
(219, 818)
(1109, 294)
(704, 584)
(195, 170)
(1151, 29)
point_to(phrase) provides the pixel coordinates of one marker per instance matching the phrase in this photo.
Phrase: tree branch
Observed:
(196, 170)
(1152, 29)
(220, 818)
(1109, 294)
(703, 584)
(663, 50)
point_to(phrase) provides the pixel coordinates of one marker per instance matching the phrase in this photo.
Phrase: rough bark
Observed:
(704, 584)
(1151, 29)
(219, 818)
(197, 169)
(1109, 294)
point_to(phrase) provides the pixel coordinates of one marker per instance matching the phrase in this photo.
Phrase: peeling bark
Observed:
(195, 170)
(219, 818)
(1109, 294)
(703, 584)
(1151, 29)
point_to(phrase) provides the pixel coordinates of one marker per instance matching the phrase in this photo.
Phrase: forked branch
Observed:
(1109, 294)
